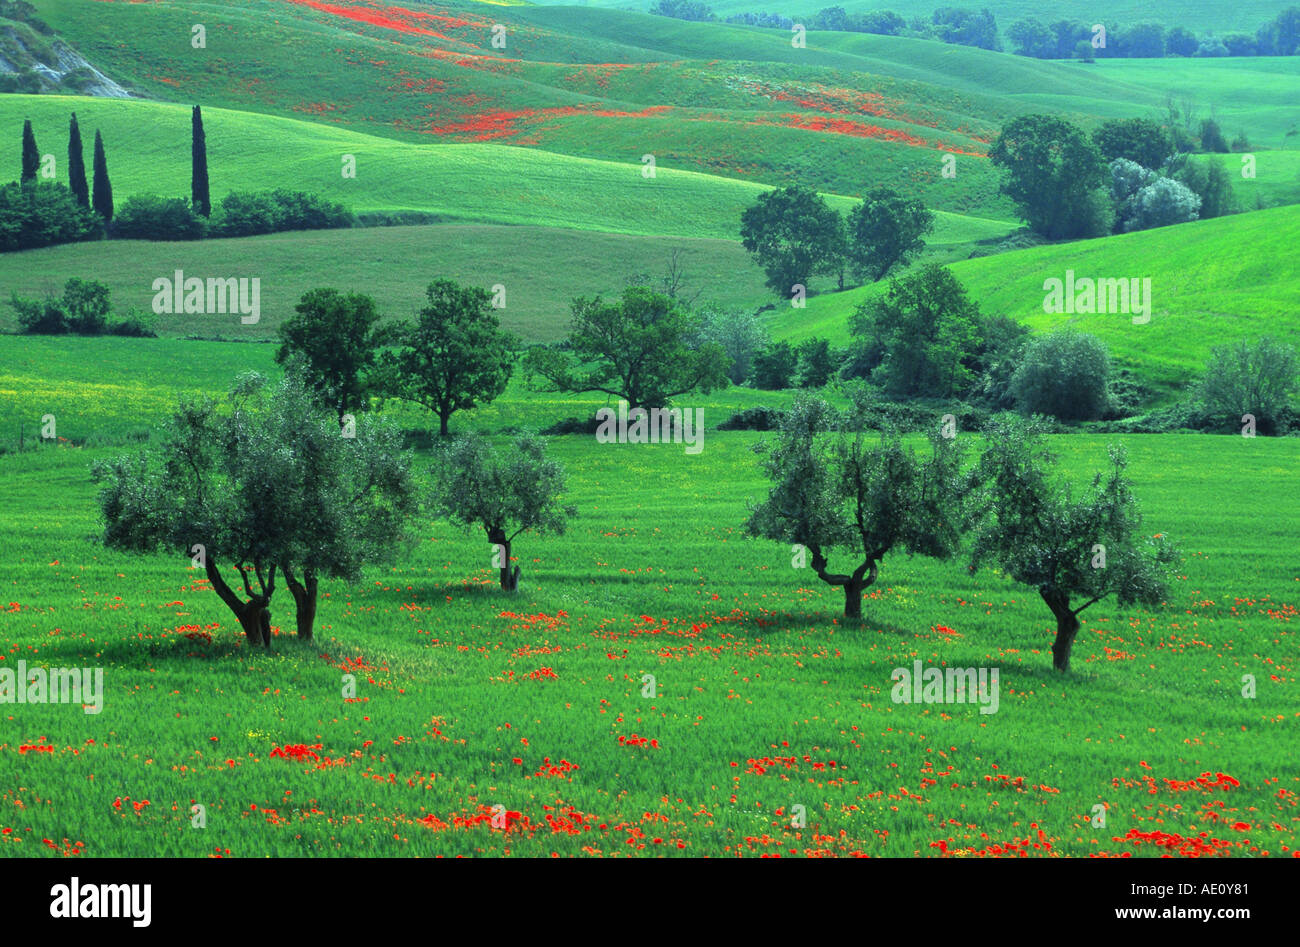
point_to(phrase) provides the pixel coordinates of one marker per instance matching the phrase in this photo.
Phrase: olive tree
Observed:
(505, 491)
(1072, 549)
(831, 489)
(266, 483)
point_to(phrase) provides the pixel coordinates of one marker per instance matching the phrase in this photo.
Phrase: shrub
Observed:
(248, 213)
(740, 334)
(1162, 202)
(150, 217)
(42, 214)
(574, 426)
(1256, 378)
(138, 324)
(817, 363)
(83, 309)
(1064, 375)
(758, 418)
(40, 316)
(774, 366)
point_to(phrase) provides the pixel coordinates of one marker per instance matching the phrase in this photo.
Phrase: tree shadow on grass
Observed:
(129, 653)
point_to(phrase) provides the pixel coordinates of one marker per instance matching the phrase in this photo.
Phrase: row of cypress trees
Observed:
(101, 198)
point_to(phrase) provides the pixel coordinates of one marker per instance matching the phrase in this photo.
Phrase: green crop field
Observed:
(661, 683)
(848, 112)
(466, 182)
(765, 699)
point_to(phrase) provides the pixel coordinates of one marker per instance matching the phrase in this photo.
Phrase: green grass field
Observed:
(848, 112)
(542, 269)
(765, 698)
(466, 182)
(1198, 16)
(1212, 281)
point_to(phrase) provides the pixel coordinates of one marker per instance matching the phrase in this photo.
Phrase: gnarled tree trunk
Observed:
(854, 585)
(304, 599)
(509, 573)
(254, 615)
(1067, 626)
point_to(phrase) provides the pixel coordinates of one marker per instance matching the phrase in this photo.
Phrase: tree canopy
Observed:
(642, 347)
(831, 489)
(264, 483)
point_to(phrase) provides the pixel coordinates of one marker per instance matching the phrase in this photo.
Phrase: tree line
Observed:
(1028, 36)
(37, 212)
(270, 485)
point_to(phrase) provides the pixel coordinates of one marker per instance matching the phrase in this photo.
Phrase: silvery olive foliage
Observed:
(267, 482)
(834, 489)
(506, 491)
(1083, 548)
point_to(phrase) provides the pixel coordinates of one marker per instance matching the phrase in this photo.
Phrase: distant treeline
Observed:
(1063, 39)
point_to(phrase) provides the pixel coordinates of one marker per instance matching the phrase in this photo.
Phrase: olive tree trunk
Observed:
(862, 578)
(254, 615)
(1067, 626)
(509, 573)
(304, 599)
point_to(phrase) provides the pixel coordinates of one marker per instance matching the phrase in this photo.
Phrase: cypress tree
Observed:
(31, 155)
(199, 173)
(102, 199)
(77, 165)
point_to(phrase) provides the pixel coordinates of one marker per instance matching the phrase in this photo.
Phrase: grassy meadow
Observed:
(1212, 281)
(528, 160)
(765, 699)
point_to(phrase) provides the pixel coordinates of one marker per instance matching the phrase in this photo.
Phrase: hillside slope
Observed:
(149, 152)
(1212, 281)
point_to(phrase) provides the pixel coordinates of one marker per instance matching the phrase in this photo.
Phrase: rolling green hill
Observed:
(849, 112)
(1198, 16)
(148, 152)
(542, 268)
(1212, 281)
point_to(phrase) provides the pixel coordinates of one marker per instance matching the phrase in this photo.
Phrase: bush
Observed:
(248, 213)
(150, 217)
(817, 363)
(1064, 375)
(1256, 378)
(1162, 202)
(1003, 344)
(40, 316)
(83, 309)
(42, 214)
(774, 366)
(1184, 417)
(759, 418)
(574, 426)
(740, 334)
(397, 218)
(138, 324)
(1126, 396)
